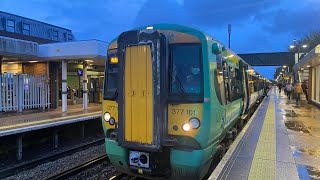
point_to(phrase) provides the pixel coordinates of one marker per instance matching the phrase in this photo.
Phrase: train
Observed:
(172, 95)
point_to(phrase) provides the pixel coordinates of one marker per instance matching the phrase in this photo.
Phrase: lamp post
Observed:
(299, 46)
(229, 33)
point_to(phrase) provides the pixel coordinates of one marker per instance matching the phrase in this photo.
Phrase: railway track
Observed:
(6, 172)
(80, 168)
(122, 176)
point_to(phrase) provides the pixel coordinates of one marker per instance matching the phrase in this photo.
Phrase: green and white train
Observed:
(171, 96)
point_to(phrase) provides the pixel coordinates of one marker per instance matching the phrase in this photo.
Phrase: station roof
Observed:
(309, 60)
(74, 50)
(15, 50)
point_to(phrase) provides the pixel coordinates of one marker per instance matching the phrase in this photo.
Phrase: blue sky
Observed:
(257, 25)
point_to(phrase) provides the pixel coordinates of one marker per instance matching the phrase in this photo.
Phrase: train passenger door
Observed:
(138, 94)
(243, 69)
(226, 81)
(142, 88)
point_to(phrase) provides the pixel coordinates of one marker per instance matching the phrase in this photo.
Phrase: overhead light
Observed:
(33, 61)
(308, 66)
(304, 46)
(88, 60)
(284, 66)
(149, 27)
(292, 46)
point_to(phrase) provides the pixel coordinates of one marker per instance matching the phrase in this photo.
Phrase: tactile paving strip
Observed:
(264, 161)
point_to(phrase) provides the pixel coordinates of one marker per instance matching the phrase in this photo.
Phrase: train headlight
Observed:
(112, 121)
(186, 127)
(194, 122)
(107, 116)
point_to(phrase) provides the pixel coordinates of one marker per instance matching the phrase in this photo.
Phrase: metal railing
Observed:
(23, 91)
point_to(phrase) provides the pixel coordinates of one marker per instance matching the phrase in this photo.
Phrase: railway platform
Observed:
(16, 123)
(280, 141)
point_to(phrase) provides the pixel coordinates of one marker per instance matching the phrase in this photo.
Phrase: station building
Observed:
(44, 66)
(308, 69)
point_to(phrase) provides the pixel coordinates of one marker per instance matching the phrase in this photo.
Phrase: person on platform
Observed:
(298, 91)
(280, 87)
(305, 89)
(289, 89)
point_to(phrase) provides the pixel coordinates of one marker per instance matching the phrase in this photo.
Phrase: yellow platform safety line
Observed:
(49, 120)
(264, 161)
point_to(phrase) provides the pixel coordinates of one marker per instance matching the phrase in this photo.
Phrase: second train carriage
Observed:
(171, 94)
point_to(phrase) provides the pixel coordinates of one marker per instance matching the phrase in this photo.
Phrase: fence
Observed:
(23, 91)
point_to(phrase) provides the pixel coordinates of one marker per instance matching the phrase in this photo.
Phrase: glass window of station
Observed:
(70, 37)
(55, 35)
(26, 29)
(11, 25)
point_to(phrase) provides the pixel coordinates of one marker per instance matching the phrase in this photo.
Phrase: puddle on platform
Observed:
(297, 126)
(290, 113)
(299, 151)
(308, 172)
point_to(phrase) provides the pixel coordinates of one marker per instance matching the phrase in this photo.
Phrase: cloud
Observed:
(164, 11)
(295, 21)
(101, 19)
(200, 13)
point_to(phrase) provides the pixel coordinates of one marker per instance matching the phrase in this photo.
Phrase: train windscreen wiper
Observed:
(180, 87)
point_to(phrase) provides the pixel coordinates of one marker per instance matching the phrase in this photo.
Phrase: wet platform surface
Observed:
(22, 122)
(281, 141)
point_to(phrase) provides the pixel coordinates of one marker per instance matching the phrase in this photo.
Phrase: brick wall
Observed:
(37, 69)
(54, 84)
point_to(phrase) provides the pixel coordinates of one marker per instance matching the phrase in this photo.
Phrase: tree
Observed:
(311, 40)
(278, 70)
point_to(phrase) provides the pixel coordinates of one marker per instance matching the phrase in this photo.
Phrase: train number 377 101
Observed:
(184, 112)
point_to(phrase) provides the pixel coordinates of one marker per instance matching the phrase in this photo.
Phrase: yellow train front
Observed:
(171, 94)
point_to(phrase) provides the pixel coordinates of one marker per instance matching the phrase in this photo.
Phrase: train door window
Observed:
(218, 80)
(234, 83)
(226, 70)
(111, 78)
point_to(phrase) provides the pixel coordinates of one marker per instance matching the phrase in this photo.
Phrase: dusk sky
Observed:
(257, 25)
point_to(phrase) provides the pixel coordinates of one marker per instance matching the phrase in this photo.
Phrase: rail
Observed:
(18, 168)
(77, 169)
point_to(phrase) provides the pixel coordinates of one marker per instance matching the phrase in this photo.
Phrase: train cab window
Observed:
(111, 79)
(185, 72)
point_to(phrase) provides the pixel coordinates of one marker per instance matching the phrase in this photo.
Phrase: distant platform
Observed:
(280, 141)
(15, 123)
